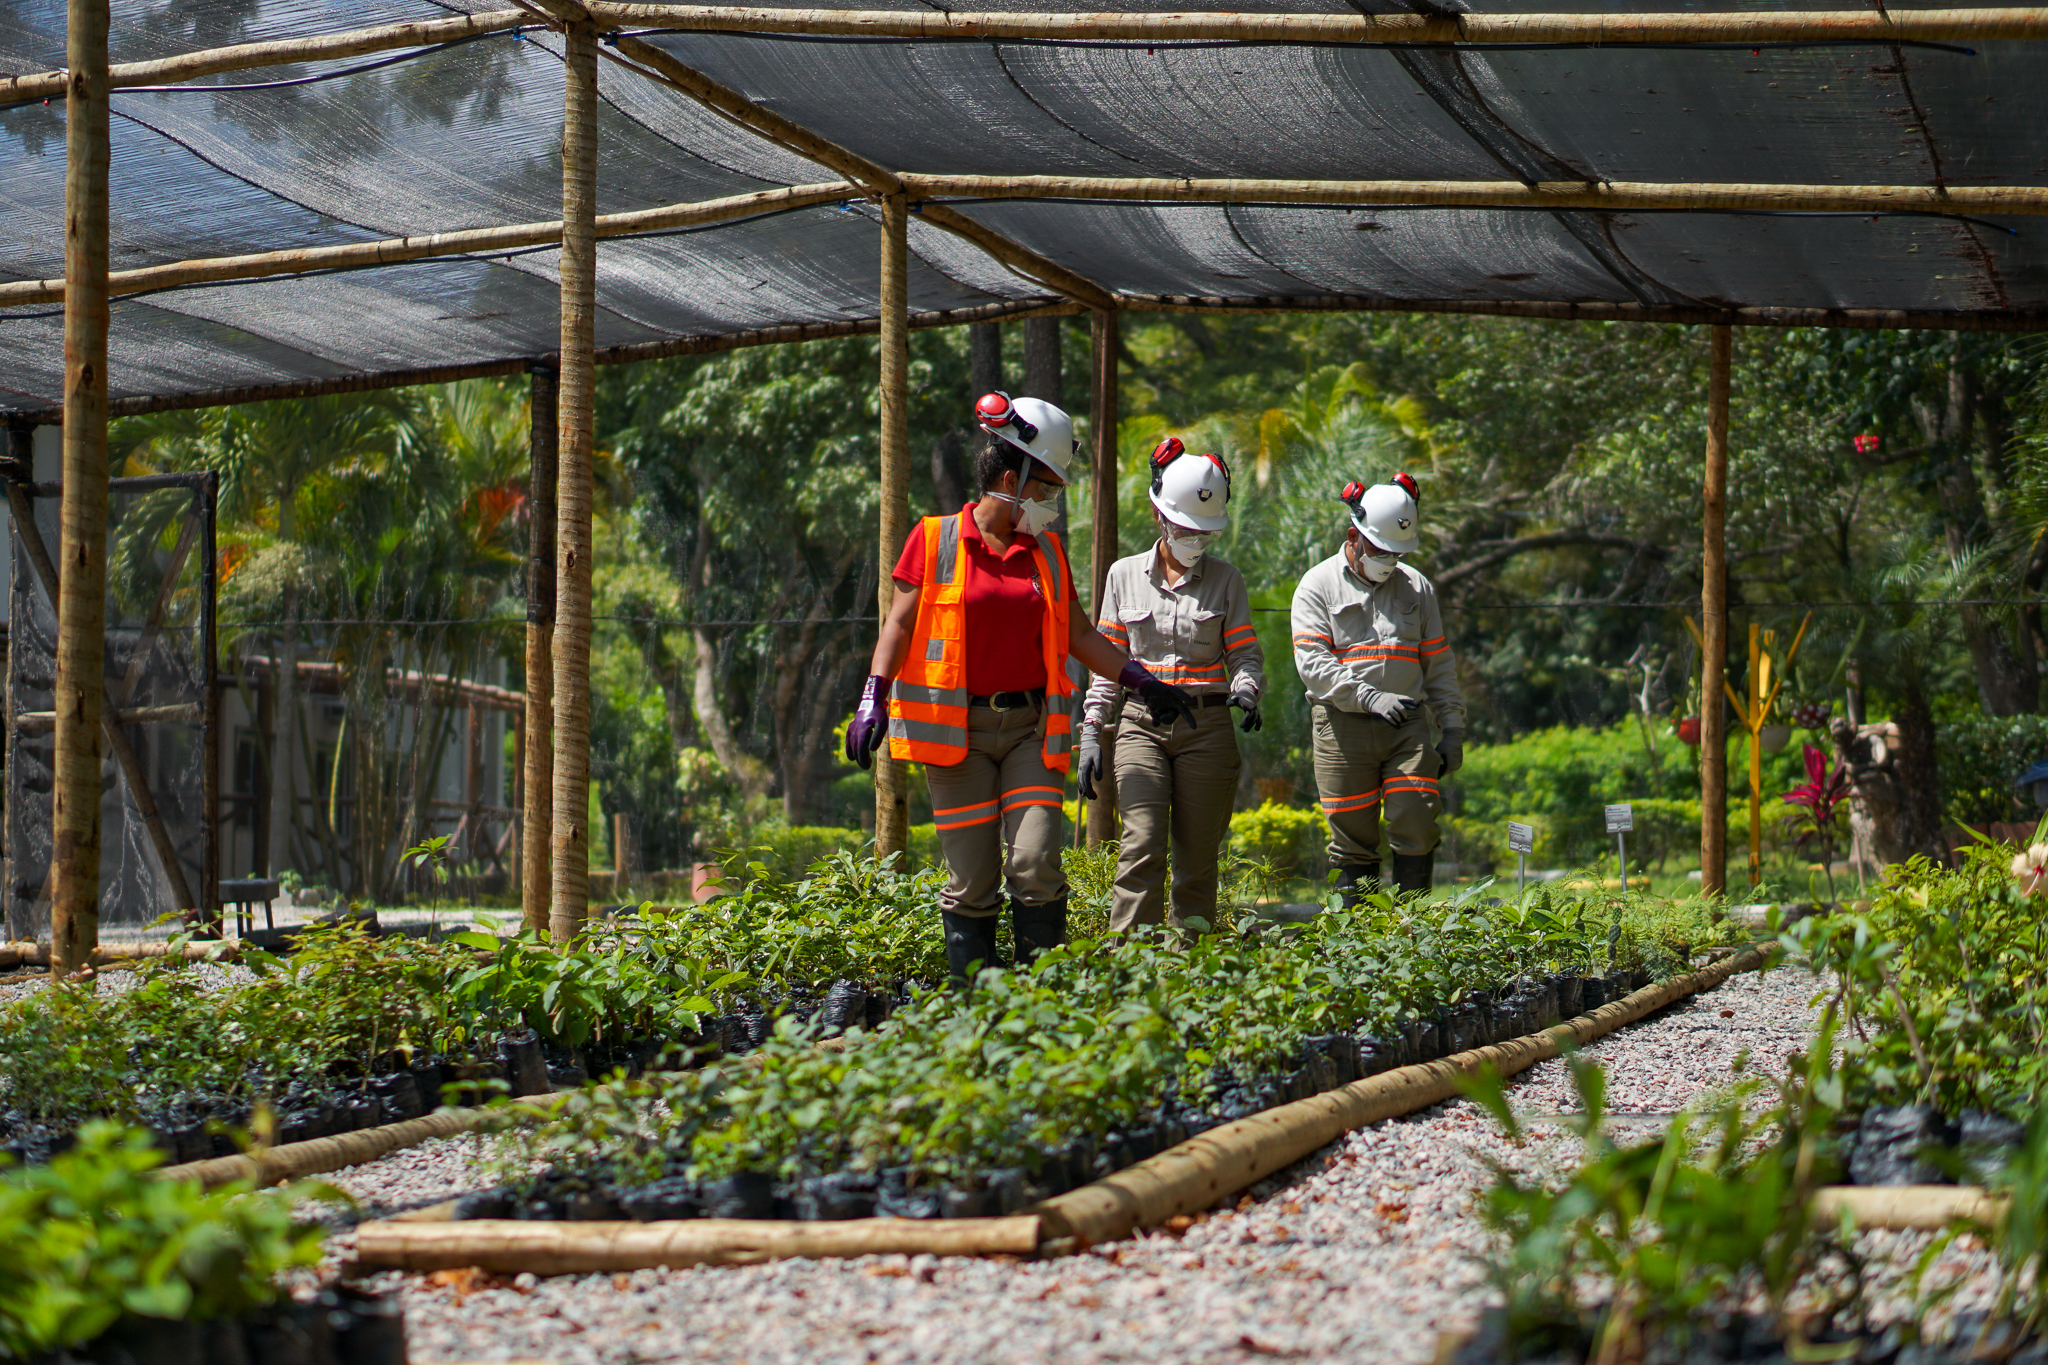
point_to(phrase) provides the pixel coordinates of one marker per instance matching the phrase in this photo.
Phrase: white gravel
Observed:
(119, 978)
(1364, 1252)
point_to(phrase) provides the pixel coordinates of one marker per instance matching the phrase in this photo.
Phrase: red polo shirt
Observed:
(1005, 615)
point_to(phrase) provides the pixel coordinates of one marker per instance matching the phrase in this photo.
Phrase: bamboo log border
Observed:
(33, 954)
(1924, 1208)
(1791, 26)
(1186, 1179)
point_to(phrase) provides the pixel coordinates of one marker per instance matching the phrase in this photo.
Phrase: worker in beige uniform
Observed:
(1369, 647)
(1186, 616)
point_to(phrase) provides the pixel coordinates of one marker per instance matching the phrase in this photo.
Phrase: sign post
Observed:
(1522, 839)
(1620, 820)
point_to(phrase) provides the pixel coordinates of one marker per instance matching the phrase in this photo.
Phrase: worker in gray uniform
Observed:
(1369, 648)
(1185, 615)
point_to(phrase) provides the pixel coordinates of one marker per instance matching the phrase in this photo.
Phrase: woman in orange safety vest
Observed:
(986, 651)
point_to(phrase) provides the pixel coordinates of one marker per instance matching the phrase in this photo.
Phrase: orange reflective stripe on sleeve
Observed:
(1237, 633)
(1436, 646)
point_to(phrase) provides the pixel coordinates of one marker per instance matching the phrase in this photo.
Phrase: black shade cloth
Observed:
(469, 137)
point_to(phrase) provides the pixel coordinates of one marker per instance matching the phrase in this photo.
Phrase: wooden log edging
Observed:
(1186, 1179)
(1213, 1165)
(508, 1246)
(316, 1156)
(34, 954)
(1926, 1208)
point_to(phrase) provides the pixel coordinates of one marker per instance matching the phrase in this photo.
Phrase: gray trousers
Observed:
(1000, 793)
(1173, 786)
(1367, 769)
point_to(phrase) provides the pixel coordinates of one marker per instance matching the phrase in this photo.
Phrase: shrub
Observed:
(1287, 839)
(1980, 757)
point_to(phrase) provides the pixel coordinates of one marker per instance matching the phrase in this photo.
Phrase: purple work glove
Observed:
(870, 724)
(1166, 702)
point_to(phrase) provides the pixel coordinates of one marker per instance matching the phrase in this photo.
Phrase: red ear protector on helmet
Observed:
(1408, 486)
(1353, 491)
(994, 411)
(1171, 449)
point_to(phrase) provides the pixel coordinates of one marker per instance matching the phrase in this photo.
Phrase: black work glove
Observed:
(1451, 749)
(1088, 762)
(1166, 702)
(1248, 702)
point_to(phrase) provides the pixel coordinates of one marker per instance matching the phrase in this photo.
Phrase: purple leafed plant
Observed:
(1818, 801)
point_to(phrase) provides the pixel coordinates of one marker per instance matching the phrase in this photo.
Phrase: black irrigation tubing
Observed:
(521, 621)
(1693, 605)
(1199, 44)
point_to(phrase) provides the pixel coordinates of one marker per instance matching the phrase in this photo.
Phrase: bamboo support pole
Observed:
(1794, 26)
(1617, 195)
(537, 781)
(1102, 422)
(396, 250)
(591, 1248)
(81, 591)
(570, 834)
(1714, 622)
(892, 775)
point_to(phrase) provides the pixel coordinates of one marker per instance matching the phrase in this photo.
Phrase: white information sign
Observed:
(1521, 838)
(1621, 819)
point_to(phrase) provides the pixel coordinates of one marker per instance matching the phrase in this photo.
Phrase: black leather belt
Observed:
(1010, 701)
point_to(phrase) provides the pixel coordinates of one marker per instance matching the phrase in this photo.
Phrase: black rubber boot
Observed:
(1038, 927)
(1356, 881)
(1414, 872)
(969, 939)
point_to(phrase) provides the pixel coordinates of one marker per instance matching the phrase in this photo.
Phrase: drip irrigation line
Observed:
(1200, 44)
(1692, 604)
(520, 621)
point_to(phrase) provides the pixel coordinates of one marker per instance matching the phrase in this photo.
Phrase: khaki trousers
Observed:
(1173, 785)
(1000, 793)
(1365, 767)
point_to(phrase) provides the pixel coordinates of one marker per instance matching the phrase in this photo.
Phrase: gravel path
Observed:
(1363, 1252)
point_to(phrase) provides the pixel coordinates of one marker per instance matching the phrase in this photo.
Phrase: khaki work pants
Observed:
(1365, 767)
(1000, 793)
(1173, 785)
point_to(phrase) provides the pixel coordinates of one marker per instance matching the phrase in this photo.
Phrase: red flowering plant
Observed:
(1818, 800)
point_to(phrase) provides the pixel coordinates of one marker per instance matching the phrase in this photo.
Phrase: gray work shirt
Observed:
(1389, 636)
(1196, 634)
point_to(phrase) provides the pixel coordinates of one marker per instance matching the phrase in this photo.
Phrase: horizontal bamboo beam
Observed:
(1987, 320)
(397, 250)
(766, 123)
(1791, 26)
(140, 405)
(42, 85)
(1613, 195)
(186, 713)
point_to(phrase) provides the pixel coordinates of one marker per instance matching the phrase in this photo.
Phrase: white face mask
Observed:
(1034, 514)
(1371, 568)
(1187, 549)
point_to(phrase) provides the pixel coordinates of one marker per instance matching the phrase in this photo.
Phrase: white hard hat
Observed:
(1190, 490)
(1386, 513)
(1032, 425)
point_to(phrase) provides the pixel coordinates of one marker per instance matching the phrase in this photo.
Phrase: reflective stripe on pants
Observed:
(1366, 769)
(1000, 794)
(1173, 785)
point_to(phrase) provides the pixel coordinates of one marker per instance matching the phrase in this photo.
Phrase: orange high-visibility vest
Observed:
(928, 705)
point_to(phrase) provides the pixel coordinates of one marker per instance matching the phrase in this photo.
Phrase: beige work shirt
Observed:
(1196, 634)
(1350, 634)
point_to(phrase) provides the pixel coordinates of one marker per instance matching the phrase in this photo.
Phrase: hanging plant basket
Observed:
(1774, 737)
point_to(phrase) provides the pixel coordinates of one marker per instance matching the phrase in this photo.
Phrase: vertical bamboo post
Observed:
(892, 785)
(1714, 623)
(570, 834)
(82, 549)
(1102, 539)
(537, 744)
